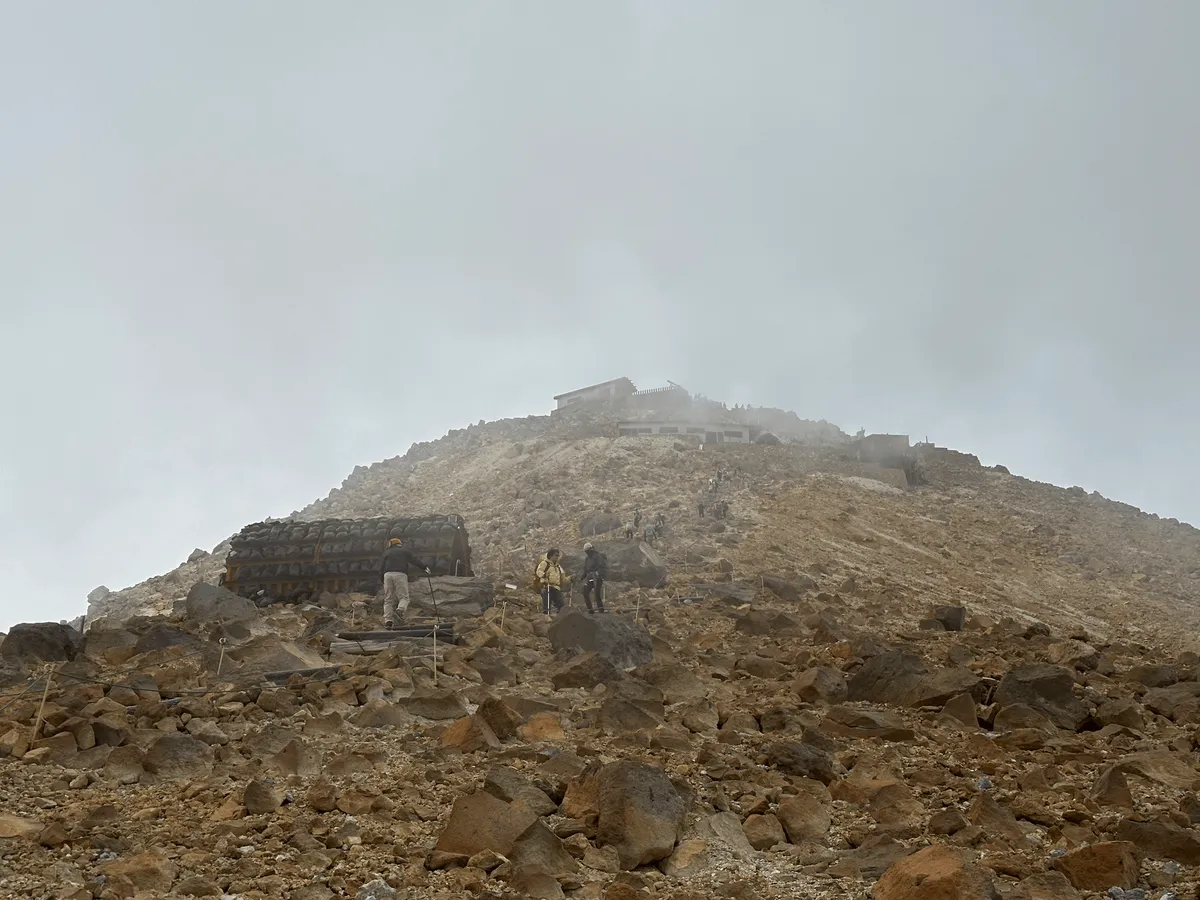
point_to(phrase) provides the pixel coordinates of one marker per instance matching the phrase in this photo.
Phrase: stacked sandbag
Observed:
(338, 555)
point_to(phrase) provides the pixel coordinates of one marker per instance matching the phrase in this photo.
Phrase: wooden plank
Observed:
(367, 648)
(445, 632)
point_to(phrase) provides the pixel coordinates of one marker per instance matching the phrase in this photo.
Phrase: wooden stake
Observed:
(221, 661)
(37, 725)
(503, 613)
(435, 675)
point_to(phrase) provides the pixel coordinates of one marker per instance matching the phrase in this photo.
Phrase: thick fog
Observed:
(246, 246)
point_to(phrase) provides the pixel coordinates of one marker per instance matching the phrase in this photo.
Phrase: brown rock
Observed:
(434, 704)
(1159, 840)
(1045, 886)
(900, 678)
(1121, 712)
(846, 721)
(261, 797)
(470, 735)
(509, 785)
(481, 822)
(997, 821)
(947, 821)
(952, 618)
(198, 886)
(1100, 866)
(962, 709)
(500, 717)
(17, 827)
(124, 765)
(1073, 654)
(1163, 767)
(1111, 789)
(53, 835)
(689, 859)
(356, 801)
(1153, 676)
(763, 831)
(542, 727)
(146, 871)
(935, 873)
(820, 684)
(801, 760)
(806, 816)
(1047, 689)
(618, 715)
(531, 882)
(585, 671)
(538, 846)
(178, 756)
(297, 759)
(322, 796)
(640, 812)
(382, 714)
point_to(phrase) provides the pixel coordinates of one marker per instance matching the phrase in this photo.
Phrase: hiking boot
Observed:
(389, 626)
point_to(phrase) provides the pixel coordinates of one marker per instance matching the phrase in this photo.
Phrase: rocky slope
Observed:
(982, 687)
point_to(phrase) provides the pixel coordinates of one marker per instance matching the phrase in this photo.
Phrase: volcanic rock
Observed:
(1097, 867)
(620, 642)
(900, 678)
(31, 643)
(935, 873)
(209, 603)
(640, 812)
(1045, 688)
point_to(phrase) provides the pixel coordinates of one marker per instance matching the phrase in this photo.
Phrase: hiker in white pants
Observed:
(395, 597)
(394, 566)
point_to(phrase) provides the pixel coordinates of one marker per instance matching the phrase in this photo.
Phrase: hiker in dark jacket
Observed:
(394, 567)
(595, 568)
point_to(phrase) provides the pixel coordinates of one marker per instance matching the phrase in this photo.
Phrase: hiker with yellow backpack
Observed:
(550, 579)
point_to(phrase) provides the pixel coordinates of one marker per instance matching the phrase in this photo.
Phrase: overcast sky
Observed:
(245, 246)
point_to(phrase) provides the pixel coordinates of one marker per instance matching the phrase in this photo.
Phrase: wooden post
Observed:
(435, 675)
(37, 725)
(221, 661)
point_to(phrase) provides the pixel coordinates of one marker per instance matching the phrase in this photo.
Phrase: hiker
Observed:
(397, 560)
(595, 567)
(637, 519)
(660, 521)
(700, 505)
(550, 579)
(629, 531)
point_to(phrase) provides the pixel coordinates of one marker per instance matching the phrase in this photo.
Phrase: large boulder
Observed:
(790, 589)
(625, 644)
(935, 873)
(628, 561)
(598, 523)
(1045, 688)
(209, 603)
(901, 678)
(457, 598)
(640, 812)
(31, 643)
(1097, 867)
(161, 637)
(482, 821)
(178, 756)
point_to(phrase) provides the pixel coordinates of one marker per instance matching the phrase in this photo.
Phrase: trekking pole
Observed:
(429, 580)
